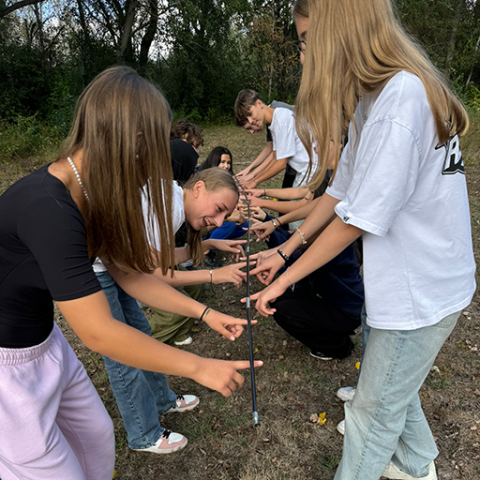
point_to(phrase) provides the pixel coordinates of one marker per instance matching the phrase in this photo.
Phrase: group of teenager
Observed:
(379, 128)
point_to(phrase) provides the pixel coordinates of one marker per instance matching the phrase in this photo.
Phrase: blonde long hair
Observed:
(122, 127)
(214, 178)
(356, 47)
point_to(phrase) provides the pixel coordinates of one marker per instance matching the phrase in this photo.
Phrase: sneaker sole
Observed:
(163, 451)
(181, 410)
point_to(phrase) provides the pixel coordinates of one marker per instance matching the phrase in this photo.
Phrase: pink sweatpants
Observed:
(53, 425)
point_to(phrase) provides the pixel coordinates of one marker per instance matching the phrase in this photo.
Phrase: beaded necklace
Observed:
(75, 171)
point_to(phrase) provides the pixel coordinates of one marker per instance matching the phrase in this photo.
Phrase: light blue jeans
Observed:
(141, 396)
(385, 420)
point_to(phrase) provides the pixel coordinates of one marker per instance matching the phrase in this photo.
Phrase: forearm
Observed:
(265, 165)
(299, 213)
(267, 150)
(182, 278)
(152, 291)
(271, 171)
(282, 207)
(91, 319)
(286, 193)
(320, 216)
(332, 241)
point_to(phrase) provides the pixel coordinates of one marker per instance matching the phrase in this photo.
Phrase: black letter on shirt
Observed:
(453, 158)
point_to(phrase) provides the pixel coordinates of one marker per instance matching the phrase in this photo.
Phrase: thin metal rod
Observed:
(249, 322)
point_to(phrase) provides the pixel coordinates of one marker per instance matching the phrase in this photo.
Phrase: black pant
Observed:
(318, 324)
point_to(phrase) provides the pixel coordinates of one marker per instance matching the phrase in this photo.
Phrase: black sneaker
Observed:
(320, 356)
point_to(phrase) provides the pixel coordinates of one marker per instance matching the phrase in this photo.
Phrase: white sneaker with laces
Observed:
(394, 473)
(168, 442)
(184, 403)
(341, 427)
(346, 393)
(187, 341)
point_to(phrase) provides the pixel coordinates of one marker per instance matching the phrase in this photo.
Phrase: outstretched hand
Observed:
(262, 230)
(230, 274)
(233, 246)
(269, 294)
(229, 327)
(221, 375)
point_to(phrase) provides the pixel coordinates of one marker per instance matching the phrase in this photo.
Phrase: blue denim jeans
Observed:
(385, 420)
(141, 396)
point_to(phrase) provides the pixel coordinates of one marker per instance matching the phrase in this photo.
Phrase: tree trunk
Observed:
(149, 35)
(126, 48)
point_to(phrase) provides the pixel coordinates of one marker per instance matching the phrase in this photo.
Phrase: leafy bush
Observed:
(25, 137)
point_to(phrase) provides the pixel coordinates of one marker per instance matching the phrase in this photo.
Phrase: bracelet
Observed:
(302, 237)
(273, 222)
(278, 220)
(211, 277)
(264, 192)
(283, 255)
(205, 313)
(291, 285)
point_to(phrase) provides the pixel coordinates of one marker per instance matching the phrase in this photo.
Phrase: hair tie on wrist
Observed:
(205, 313)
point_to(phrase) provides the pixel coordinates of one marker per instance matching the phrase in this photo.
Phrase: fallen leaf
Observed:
(357, 365)
(281, 357)
(322, 418)
(314, 418)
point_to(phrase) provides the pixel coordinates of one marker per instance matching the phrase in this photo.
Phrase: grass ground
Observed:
(292, 386)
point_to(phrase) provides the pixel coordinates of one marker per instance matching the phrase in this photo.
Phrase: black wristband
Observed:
(283, 255)
(204, 312)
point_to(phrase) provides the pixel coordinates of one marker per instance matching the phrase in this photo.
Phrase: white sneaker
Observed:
(346, 393)
(341, 427)
(187, 341)
(168, 442)
(394, 473)
(184, 403)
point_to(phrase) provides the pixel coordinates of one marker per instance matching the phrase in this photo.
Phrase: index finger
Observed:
(243, 364)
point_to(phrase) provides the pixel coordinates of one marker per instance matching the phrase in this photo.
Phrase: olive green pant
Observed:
(170, 327)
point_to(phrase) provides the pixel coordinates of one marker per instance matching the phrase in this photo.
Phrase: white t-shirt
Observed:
(410, 198)
(153, 231)
(287, 145)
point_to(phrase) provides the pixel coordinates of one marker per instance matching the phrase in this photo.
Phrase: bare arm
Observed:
(92, 321)
(332, 241)
(271, 171)
(263, 155)
(281, 207)
(294, 193)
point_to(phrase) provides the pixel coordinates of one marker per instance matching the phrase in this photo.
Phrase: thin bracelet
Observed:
(283, 255)
(264, 192)
(205, 313)
(302, 237)
(278, 220)
(211, 277)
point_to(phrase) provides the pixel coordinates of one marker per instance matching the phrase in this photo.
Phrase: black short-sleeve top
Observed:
(43, 257)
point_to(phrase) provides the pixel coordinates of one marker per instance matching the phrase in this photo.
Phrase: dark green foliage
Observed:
(200, 52)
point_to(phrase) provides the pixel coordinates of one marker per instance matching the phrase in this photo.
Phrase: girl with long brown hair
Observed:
(400, 183)
(54, 222)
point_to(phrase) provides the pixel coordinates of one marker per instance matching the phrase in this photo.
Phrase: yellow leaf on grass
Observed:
(114, 474)
(256, 350)
(322, 418)
(357, 365)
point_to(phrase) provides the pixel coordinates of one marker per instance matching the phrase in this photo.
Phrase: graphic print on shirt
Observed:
(453, 157)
